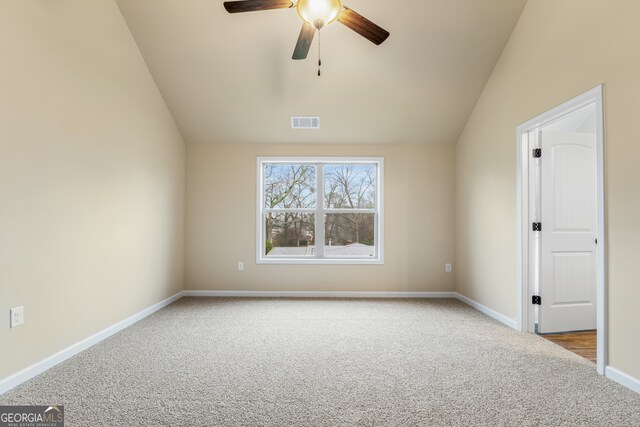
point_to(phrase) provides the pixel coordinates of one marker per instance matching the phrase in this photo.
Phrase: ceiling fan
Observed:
(316, 14)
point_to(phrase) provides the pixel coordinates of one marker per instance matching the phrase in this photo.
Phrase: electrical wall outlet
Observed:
(448, 268)
(240, 266)
(17, 316)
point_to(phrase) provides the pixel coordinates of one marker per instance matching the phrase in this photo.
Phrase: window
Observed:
(320, 210)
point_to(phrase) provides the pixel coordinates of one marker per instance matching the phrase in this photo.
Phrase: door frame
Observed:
(524, 284)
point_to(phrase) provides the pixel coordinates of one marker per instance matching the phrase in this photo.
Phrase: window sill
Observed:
(320, 261)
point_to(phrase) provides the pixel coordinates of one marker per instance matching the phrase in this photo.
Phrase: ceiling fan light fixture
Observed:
(319, 13)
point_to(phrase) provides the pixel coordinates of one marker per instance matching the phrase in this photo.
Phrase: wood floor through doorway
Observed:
(582, 343)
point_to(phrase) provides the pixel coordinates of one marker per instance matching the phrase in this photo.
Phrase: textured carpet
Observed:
(207, 361)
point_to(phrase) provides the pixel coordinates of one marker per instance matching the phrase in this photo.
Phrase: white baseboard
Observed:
(622, 378)
(319, 294)
(37, 368)
(512, 323)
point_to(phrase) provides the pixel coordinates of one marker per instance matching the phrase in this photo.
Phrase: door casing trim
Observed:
(525, 313)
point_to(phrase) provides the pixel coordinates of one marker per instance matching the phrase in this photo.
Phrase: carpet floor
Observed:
(327, 362)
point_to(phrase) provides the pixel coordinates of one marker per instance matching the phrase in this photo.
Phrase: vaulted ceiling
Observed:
(230, 78)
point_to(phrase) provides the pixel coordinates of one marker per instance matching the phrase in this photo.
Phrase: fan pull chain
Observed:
(319, 56)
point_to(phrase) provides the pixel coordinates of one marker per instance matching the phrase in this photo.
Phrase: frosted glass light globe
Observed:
(319, 12)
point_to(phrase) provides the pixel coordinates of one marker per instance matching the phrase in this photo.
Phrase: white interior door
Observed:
(568, 258)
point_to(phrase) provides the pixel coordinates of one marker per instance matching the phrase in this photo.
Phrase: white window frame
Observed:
(320, 211)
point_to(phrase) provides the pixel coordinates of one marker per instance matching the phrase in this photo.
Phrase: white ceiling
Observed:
(230, 78)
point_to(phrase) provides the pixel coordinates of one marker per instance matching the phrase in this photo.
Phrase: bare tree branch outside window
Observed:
(350, 187)
(289, 187)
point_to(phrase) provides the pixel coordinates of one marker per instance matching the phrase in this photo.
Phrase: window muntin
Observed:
(320, 210)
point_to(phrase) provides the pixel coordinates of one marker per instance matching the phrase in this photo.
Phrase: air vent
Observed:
(305, 122)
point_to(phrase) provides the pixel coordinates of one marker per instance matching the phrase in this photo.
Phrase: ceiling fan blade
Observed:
(304, 41)
(256, 5)
(362, 26)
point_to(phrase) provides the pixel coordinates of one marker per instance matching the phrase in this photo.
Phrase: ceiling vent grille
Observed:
(305, 122)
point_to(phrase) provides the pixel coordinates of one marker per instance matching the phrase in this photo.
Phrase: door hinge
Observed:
(536, 300)
(537, 153)
(536, 226)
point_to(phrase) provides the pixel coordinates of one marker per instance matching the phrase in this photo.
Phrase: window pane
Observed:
(289, 186)
(350, 186)
(289, 235)
(349, 235)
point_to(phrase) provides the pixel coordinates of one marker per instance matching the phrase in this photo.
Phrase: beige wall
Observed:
(221, 222)
(91, 178)
(558, 50)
